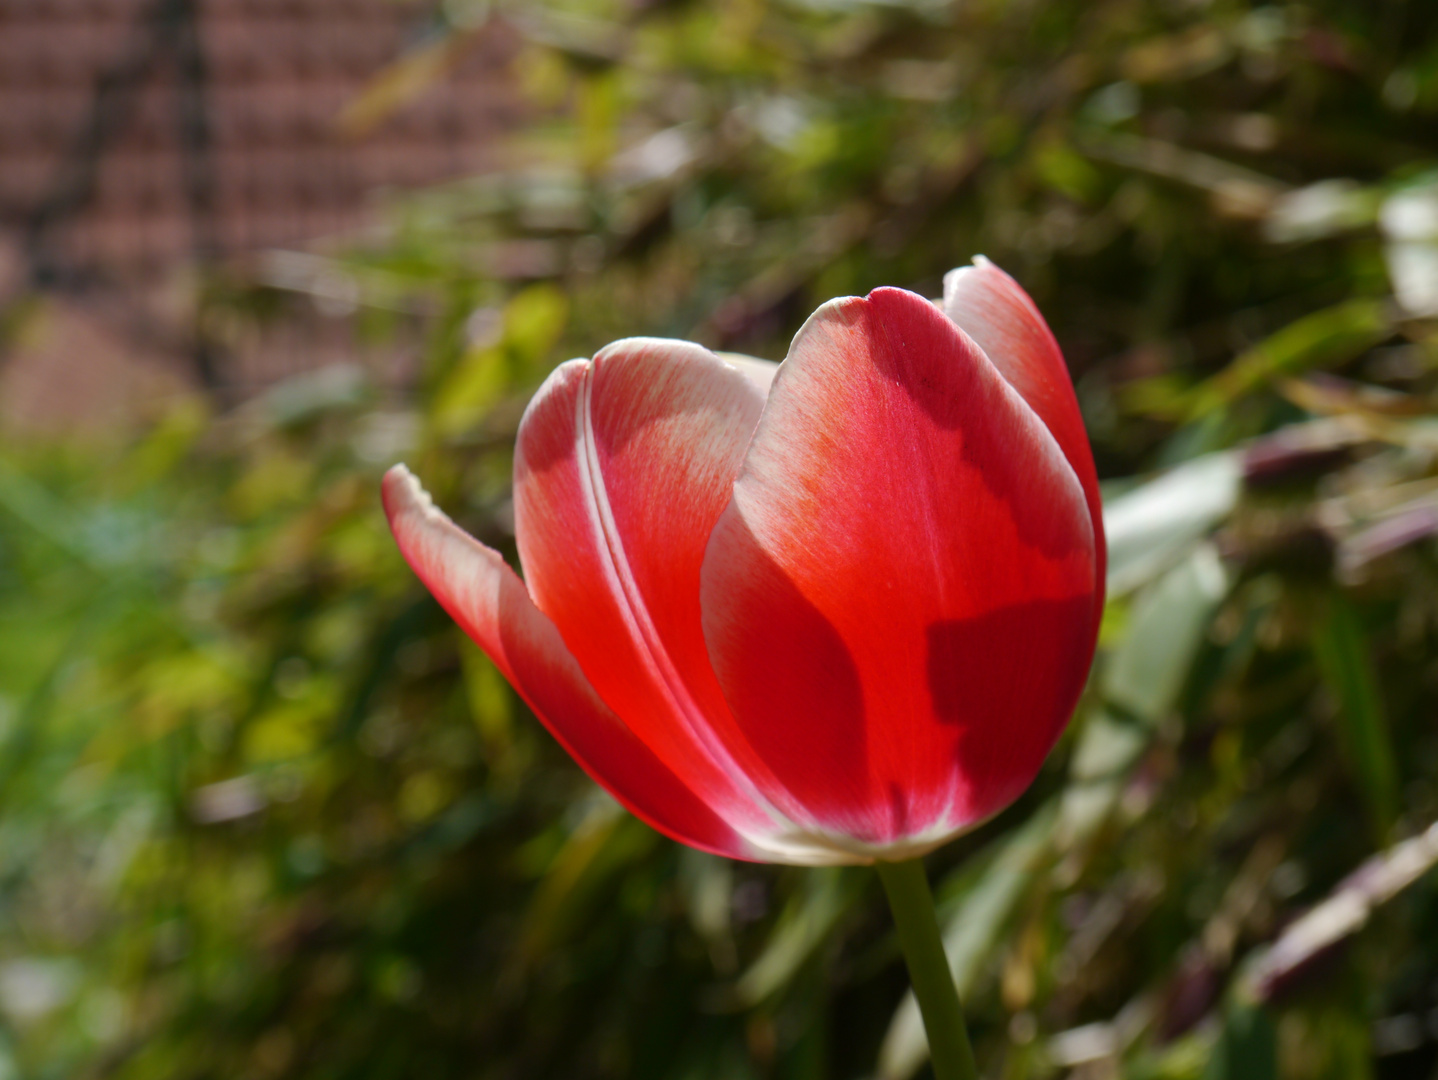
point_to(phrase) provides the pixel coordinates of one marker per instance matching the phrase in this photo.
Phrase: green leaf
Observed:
(596, 848)
(1341, 649)
(477, 381)
(1108, 747)
(533, 321)
(826, 894)
(1146, 672)
(1247, 1048)
(1324, 339)
(1150, 527)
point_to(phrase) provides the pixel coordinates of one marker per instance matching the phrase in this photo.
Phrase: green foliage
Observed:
(265, 813)
(1341, 651)
(1247, 1048)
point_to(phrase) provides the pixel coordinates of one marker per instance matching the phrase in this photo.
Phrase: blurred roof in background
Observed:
(140, 137)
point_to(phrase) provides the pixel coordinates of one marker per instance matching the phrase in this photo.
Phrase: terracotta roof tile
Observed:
(278, 74)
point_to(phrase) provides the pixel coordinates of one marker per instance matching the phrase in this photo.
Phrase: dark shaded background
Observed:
(264, 813)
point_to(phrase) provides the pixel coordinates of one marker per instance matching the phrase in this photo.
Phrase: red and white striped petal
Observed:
(993, 309)
(623, 465)
(899, 600)
(490, 603)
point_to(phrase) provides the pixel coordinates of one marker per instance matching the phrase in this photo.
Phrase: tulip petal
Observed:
(993, 309)
(899, 599)
(490, 603)
(622, 467)
(760, 372)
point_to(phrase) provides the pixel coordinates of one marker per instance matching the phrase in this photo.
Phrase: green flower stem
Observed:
(913, 908)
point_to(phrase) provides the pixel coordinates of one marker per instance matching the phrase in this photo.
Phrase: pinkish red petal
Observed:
(623, 466)
(900, 599)
(993, 309)
(490, 603)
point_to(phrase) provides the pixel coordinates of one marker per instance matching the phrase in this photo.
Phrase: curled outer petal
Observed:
(491, 604)
(993, 309)
(899, 600)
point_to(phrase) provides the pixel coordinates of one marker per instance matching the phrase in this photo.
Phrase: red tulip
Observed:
(839, 618)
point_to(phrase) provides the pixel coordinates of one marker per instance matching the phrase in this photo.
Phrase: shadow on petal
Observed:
(790, 681)
(950, 381)
(1006, 681)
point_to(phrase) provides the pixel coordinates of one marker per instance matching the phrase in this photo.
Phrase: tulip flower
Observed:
(835, 610)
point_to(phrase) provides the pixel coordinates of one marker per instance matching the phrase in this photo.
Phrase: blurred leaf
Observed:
(1247, 1048)
(166, 446)
(1341, 648)
(1234, 191)
(1177, 56)
(1068, 172)
(534, 320)
(823, 898)
(1283, 965)
(709, 882)
(973, 929)
(1107, 748)
(1320, 210)
(1152, 526)
(398, 84)
(470, 389)
(1324, 339)
(303, 397)
(565, 889)
(1409, 221)
(28, 502)
(1146, 672)
(489, 697)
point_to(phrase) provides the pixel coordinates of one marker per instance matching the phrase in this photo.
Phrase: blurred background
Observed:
(264, 813)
